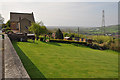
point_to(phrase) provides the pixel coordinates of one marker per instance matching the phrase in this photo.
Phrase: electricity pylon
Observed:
(103, 22)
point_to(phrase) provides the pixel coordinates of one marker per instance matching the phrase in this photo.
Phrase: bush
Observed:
(8, 31)
(72, 35)
(104, 47)
(101, 39)
(68, 41)
(95, 46)
(7, 28)
(41, 39)
(115, 45)
(59, 34)
(66, 34)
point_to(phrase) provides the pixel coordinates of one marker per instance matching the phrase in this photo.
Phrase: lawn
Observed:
(60, 60)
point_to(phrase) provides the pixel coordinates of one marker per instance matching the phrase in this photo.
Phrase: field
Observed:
(60, 60)
(89, 30)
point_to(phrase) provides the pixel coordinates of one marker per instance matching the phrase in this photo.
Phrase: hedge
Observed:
(93, 46)
(67, 41)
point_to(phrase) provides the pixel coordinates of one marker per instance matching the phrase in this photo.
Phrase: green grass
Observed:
(59, 60)
(94, 30)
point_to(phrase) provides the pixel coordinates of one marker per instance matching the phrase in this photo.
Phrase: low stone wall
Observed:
(18, 37)
(14, 68)
(1, 57)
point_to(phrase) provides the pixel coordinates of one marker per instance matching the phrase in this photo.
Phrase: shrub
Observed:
(101, 39)
(41, 39)
(68, 41)
(104, 47)
(8, 31)
(95, 46)
(59, 34)
(72, 35)
(115, 45)
(66, 34)
(7, 28)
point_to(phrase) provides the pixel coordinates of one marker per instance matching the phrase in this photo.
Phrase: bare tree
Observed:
(1, 19)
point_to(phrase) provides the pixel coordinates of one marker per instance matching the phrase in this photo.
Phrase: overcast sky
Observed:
(84, 14)
(59, 0)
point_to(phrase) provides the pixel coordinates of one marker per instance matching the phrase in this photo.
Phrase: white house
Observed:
(66, 38)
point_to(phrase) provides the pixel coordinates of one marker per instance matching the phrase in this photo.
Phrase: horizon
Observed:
(80, 26)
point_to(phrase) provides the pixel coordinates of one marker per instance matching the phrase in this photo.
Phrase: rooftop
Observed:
(14, 16)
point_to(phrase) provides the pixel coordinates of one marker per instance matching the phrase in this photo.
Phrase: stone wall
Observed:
(1, 57)
(24, 25)
(14, 68)
(13, 25)
(18, 37)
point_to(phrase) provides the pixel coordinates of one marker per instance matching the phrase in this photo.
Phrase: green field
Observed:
(60, 60)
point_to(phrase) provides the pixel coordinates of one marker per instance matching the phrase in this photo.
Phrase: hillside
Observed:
(109, 29)
(85, 30)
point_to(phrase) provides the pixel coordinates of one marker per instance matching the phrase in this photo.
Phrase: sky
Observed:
(77, 13)
(59, 0)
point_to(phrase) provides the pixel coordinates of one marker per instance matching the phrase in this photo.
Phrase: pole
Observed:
(78, 31)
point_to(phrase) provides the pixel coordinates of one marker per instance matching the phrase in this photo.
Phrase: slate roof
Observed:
(17, 16)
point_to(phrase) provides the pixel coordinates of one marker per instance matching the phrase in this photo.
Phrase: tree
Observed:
(8, 23)
(3, 26)
(66, 34)
(72, 35)
(37, 29)
(1, 21)
(59, 34)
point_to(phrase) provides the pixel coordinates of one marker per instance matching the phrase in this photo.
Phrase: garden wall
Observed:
(14, 68)
(17, 37)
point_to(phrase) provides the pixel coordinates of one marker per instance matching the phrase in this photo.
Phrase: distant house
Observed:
(20, 22)
(66, 38)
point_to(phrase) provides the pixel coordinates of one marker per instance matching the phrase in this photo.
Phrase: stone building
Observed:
(20, 22)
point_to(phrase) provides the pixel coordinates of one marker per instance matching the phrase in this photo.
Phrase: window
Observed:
(26, 27)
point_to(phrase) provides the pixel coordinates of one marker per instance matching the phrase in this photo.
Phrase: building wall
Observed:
(13, 25)
(18, 37)
(24, 26)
